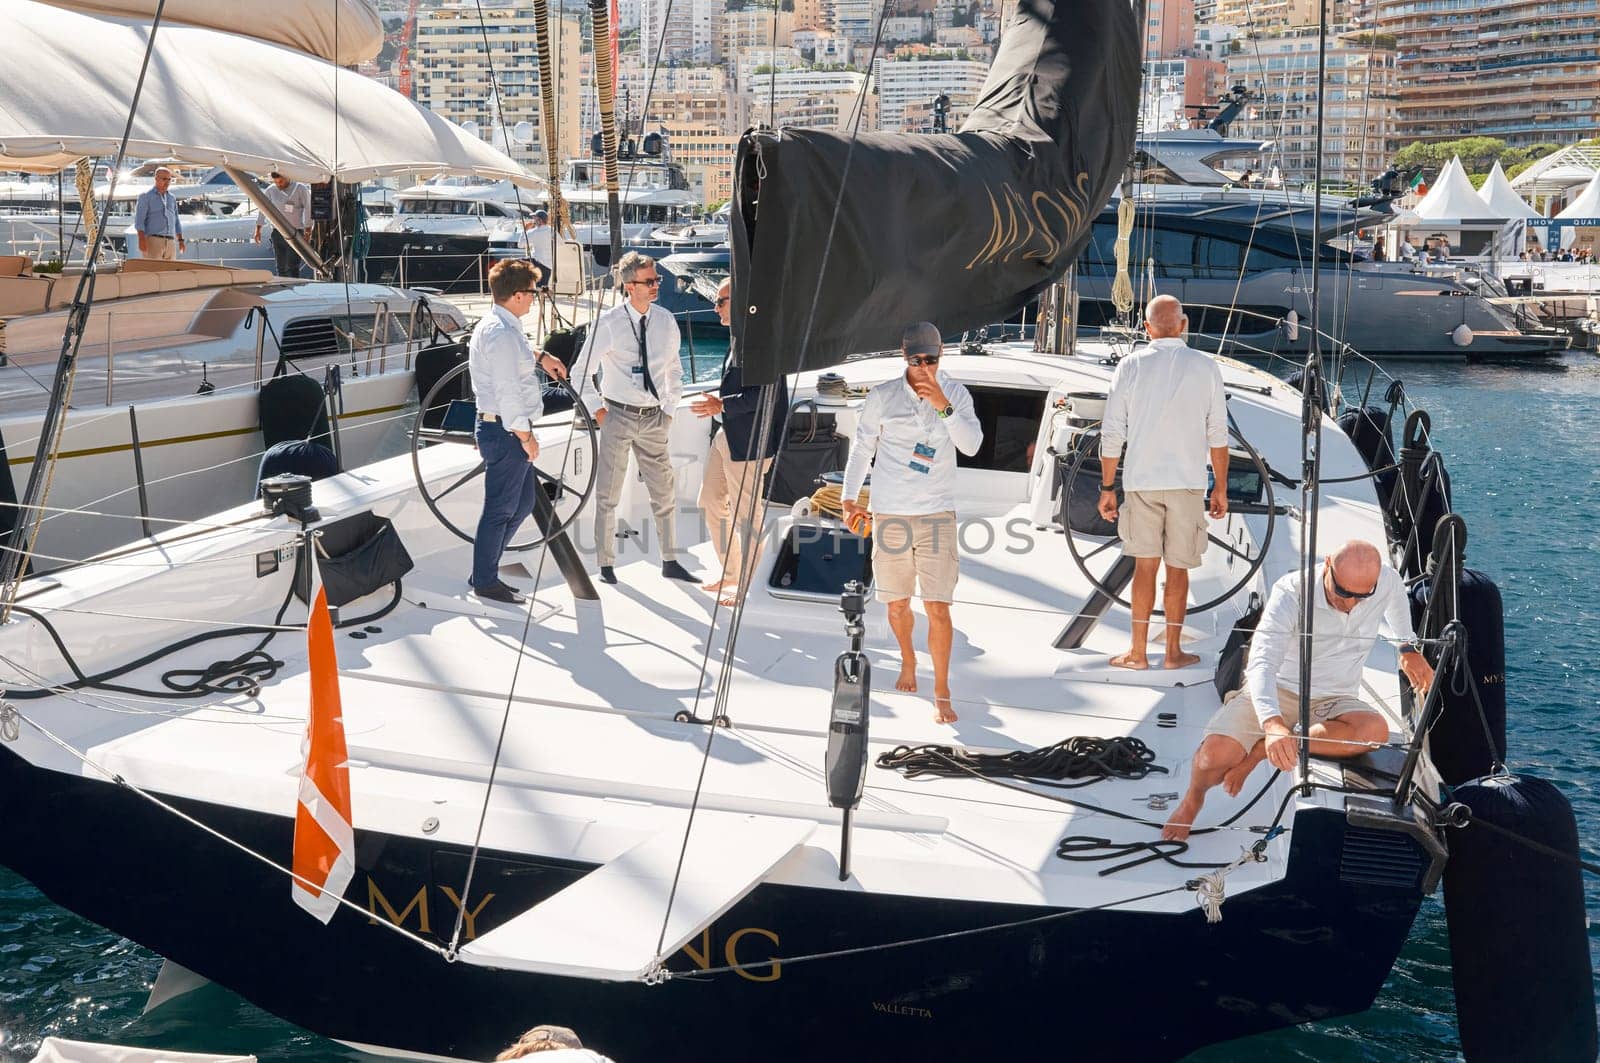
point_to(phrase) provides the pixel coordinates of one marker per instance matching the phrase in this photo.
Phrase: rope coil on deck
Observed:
(1083, 759)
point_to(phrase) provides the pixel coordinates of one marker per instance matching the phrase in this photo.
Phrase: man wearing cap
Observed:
(157, 222)
(633, 351)
(510, 399)
(542, 245)
(1168, 406)
(914, 425)
(293, 200)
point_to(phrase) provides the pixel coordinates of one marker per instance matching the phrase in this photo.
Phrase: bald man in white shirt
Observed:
(1356, 594)
(1168, 406)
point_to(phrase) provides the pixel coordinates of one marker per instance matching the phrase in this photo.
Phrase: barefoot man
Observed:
(1167, 405)
(1355, 594)
(914, 424)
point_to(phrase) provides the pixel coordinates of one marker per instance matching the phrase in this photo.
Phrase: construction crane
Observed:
(402, 62)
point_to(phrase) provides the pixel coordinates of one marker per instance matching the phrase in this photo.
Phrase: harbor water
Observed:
(1523, 448)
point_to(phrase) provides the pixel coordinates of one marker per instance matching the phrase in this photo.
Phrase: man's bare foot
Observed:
(1180, 659)
(716, 585)
(907, 680)
(728, 600)
(1136, 661)
(1182, 820)
(943, 710)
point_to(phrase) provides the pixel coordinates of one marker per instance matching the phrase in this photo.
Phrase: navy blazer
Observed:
(741, 409)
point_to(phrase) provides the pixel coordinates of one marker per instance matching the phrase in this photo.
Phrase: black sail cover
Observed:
(960, 229)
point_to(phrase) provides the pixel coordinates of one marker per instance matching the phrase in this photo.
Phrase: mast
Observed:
(1311, 412)
(606, 84)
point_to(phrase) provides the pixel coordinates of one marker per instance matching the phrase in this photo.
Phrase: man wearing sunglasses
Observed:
(633, 348)
(1355, 595)
(734, 483)
(914, 424)
(510, 399)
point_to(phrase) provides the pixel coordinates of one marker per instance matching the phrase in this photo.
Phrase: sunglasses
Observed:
(1342, 592)
(723, 300)
(527, 291)
(923, 359)
(654, 282)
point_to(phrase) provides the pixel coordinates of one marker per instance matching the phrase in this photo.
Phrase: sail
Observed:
(960, 229)
(345, 32)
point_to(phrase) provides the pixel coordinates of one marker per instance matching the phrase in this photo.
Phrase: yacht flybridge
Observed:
(547, 823)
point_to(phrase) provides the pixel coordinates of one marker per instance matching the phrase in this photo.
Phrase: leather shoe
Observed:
(608, 574)
(673, 570)
(498, 592)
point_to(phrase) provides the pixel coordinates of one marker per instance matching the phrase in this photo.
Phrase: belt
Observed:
(610, 404)
(158, 236)
(492, 418)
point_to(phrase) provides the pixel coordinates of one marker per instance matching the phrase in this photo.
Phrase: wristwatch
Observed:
(1108, 488)
(947, 411)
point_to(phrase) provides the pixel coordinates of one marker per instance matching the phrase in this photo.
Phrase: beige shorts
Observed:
(1236, 719)
(914, 554)
(1170, 525)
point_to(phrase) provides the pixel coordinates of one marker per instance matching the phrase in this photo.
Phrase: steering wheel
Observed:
(563, 496)
(1252, 564)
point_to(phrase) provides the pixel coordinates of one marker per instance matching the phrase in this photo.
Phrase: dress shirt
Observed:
(612, 351)
(1168, 406)
(294, 203)
(901, 429)
(542, 241)
(1340, 642)
(742, 406)
(505, 373)
(157, 215)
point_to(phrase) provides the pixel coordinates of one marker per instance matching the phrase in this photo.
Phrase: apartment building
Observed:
(1527, 71)
(450, 72)
(1169, 28)
(1360, 132)
(752, 27)
(902, 82)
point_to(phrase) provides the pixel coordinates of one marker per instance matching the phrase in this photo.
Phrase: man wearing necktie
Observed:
(633, 351)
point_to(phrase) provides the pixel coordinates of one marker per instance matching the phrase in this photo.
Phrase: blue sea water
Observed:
(1523, 447)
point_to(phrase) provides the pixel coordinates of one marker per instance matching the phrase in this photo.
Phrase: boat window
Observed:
(1216, 256)
(1099, 255)
(1010, 419)
(1172, 249)
(1261, 258)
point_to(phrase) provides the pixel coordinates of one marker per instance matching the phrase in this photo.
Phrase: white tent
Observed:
(1587, 205)
(342, 31)
(1453, 198)
(1502, 198)
(215, 99)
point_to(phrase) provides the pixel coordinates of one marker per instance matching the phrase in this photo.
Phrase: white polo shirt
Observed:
(1168, 406)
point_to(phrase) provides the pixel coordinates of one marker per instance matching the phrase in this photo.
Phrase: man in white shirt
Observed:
(1356, 593)
(293, 200)
(914, 424)
(633, 348)
(1168, 406)
(510, 398)
(542, 245)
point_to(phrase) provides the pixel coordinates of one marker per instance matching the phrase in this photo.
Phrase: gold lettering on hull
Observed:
(376, 900)
(701, 953)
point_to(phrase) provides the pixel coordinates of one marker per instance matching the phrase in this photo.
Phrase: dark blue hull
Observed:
(1093, 985)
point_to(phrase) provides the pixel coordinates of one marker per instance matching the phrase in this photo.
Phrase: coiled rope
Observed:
(1069, 764)
(1122, 286)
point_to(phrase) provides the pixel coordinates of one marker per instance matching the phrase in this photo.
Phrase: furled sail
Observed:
(960, 229)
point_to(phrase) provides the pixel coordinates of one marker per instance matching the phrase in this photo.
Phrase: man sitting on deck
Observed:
(1356, 592)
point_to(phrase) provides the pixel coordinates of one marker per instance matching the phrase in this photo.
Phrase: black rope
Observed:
(1083, 760)
(1461, 815)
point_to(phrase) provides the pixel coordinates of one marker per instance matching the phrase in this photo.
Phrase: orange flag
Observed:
(324, 832)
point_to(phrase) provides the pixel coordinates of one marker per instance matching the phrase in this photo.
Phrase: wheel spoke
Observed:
(468, 477)
(1229, 547)
(1115, 540)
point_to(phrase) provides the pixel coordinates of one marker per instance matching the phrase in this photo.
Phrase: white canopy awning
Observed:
(1453, 198)
(1502, 198)
(215, 99)
(1587, 205)
(342, 31)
